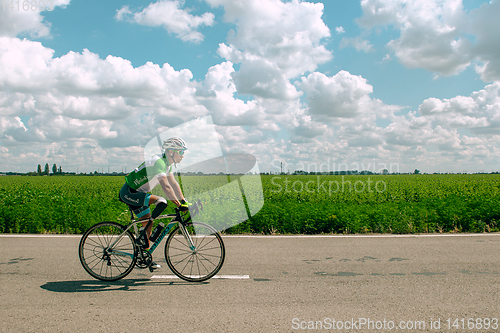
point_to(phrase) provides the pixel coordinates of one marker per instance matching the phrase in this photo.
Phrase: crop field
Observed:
(292, 203)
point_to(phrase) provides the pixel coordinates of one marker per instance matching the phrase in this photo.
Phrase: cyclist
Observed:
(157, 170)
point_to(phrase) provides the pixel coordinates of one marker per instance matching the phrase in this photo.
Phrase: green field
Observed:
(292, 204)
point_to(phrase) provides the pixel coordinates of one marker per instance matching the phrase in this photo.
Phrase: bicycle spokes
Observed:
(107, 251)
(198, 257)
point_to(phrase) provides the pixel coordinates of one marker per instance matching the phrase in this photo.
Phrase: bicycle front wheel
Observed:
(202, 262)
(107, 251)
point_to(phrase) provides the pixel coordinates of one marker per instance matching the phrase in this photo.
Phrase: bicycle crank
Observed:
(145, 259)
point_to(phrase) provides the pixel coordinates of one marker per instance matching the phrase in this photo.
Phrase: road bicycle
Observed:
(194, 251)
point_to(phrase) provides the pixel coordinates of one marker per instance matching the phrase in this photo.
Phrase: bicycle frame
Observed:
(169, 227)
(175, 219)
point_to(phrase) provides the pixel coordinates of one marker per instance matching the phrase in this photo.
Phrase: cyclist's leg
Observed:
(153, 198)
(160, 205)
(145, 219)
(139, 204)
(144, 213)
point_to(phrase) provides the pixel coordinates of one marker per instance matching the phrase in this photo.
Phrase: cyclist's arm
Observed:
(175, 186)
(169, 190)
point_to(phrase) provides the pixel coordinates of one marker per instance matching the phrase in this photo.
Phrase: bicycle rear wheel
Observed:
(107, 251)
(201, 263)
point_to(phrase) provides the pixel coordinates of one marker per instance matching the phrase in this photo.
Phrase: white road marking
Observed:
(214, 277)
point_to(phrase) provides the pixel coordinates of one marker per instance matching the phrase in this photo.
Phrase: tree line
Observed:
(45, 172)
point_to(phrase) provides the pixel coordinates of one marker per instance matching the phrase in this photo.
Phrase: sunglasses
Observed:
(180, 152)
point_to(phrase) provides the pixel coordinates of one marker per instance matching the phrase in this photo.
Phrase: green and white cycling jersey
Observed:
(145, 177)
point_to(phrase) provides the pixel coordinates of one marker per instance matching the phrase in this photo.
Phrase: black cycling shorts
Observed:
(137, 201)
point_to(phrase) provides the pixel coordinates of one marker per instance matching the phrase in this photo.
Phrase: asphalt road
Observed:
(294, 284)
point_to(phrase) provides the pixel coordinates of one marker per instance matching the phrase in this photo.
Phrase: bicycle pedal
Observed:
(153, 266)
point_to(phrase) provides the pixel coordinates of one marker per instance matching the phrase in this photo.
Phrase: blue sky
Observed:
(362, 84)
(92, 25)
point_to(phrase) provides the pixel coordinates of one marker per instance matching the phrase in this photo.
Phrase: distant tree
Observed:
(417, 171)
(46, 171)
(60, 169)
(54, 169)
(39, 170)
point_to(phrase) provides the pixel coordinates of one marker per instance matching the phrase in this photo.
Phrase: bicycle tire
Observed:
(198, 265)
(99, 260)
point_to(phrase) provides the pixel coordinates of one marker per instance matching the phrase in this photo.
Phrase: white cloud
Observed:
(169, 15)
(86, 74)
(15, 20)
(358, 43)
(370, 137)
(440, 35)
(263, 78)
(342, 95)
(446, 140)
(123, 14)
(85, 107)
(23, 63)
(479, 112)
(232, 136)
(341, 104)
(408, 131)
(58, 127)
(12, 103)
(79, 95)
(456, 134)
(431, 32)
(282, 39)
(340, 30)
(386, 58)
(217, 95)
(308, 128)
(485, 26)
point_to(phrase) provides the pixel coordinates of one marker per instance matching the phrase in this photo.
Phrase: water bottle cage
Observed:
(142, 239)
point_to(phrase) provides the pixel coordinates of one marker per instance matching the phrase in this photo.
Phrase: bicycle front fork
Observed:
(187, 236)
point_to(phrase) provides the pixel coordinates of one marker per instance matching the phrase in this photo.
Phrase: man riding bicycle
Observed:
(155, 170)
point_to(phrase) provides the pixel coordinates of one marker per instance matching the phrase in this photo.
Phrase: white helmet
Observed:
(174, 143)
